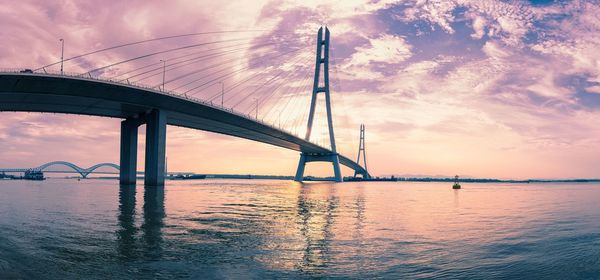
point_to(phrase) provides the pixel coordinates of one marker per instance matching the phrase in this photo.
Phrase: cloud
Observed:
(333, 9)
(370, 61)
(386, 49)
(594, 89)
(574, 39)
(496, 19)
(436, 12)
(444, 87)
(479, 24)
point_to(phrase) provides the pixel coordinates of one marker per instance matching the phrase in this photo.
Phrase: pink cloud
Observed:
(480, 112)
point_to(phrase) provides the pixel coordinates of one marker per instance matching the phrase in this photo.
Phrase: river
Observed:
(253, 229)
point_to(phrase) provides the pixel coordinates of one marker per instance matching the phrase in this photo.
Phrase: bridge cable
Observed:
(273, 90)
(294, 91)
(197, 71)
(215, 80)
(150, 40)
(290, 96)
(304, 117)
(194, 72)
(176, 58)
(295, 106)
(157, 71)
(267, 82)
(197, 89)
(257, 74)
(223, 64)
(161, 52)
(346, 121)
(278, 80)
(293, 115)
(175, 65)
(198, 58)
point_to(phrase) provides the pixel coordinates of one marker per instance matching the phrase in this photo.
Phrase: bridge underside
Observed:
(73, 95)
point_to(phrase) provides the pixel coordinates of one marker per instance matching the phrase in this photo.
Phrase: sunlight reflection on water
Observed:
(255, 229)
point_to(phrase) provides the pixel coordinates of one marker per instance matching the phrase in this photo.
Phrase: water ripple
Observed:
(95, 229)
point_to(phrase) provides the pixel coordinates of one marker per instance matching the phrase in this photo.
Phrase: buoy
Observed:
(456, 185)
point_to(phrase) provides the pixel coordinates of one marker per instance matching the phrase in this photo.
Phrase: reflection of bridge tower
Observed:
(361, 149)
(322, 59)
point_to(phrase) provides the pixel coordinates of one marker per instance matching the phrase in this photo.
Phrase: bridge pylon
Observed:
(361, 150)
(322, 64)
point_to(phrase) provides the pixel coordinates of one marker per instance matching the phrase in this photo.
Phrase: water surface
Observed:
(96, 229)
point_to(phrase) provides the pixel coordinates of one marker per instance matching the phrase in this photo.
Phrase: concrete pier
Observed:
(300, 170)
(128, 159)
(306, 158)
(156, 140)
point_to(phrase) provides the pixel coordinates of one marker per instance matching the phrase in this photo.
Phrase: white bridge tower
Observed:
(322, 64)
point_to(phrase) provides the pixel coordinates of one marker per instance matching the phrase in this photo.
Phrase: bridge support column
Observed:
(305, 158)
(128, 159)
(335, 161)
(156, 138)
(300, 170)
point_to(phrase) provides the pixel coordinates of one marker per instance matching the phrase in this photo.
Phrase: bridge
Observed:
(136, 104)
(73, 168)
(84, 172)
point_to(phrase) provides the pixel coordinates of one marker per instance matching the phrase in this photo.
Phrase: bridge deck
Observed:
(86, 96)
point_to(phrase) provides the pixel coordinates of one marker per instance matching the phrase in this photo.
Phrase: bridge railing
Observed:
(121, 82)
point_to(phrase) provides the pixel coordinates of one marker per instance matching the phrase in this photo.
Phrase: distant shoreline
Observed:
(374, 179)
(475, 180)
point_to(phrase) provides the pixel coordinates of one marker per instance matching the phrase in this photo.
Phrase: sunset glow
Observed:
(476, 88)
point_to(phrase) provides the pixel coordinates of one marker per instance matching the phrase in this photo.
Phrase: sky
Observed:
(487, 88)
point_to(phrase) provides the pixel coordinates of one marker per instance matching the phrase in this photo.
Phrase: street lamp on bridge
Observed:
(62, 54)
(256, 99)
(222, 93)
(164, 68)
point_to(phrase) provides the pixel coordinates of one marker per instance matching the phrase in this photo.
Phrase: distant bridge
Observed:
(84, 172)
(31, 91)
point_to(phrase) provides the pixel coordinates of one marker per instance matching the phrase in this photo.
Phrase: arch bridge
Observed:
(84, 172)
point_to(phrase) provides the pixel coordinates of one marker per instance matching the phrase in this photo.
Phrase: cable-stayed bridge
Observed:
(259, 94)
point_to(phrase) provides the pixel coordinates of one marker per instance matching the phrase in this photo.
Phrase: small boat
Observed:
(456, 185)
(187, 176)
(34, 175)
